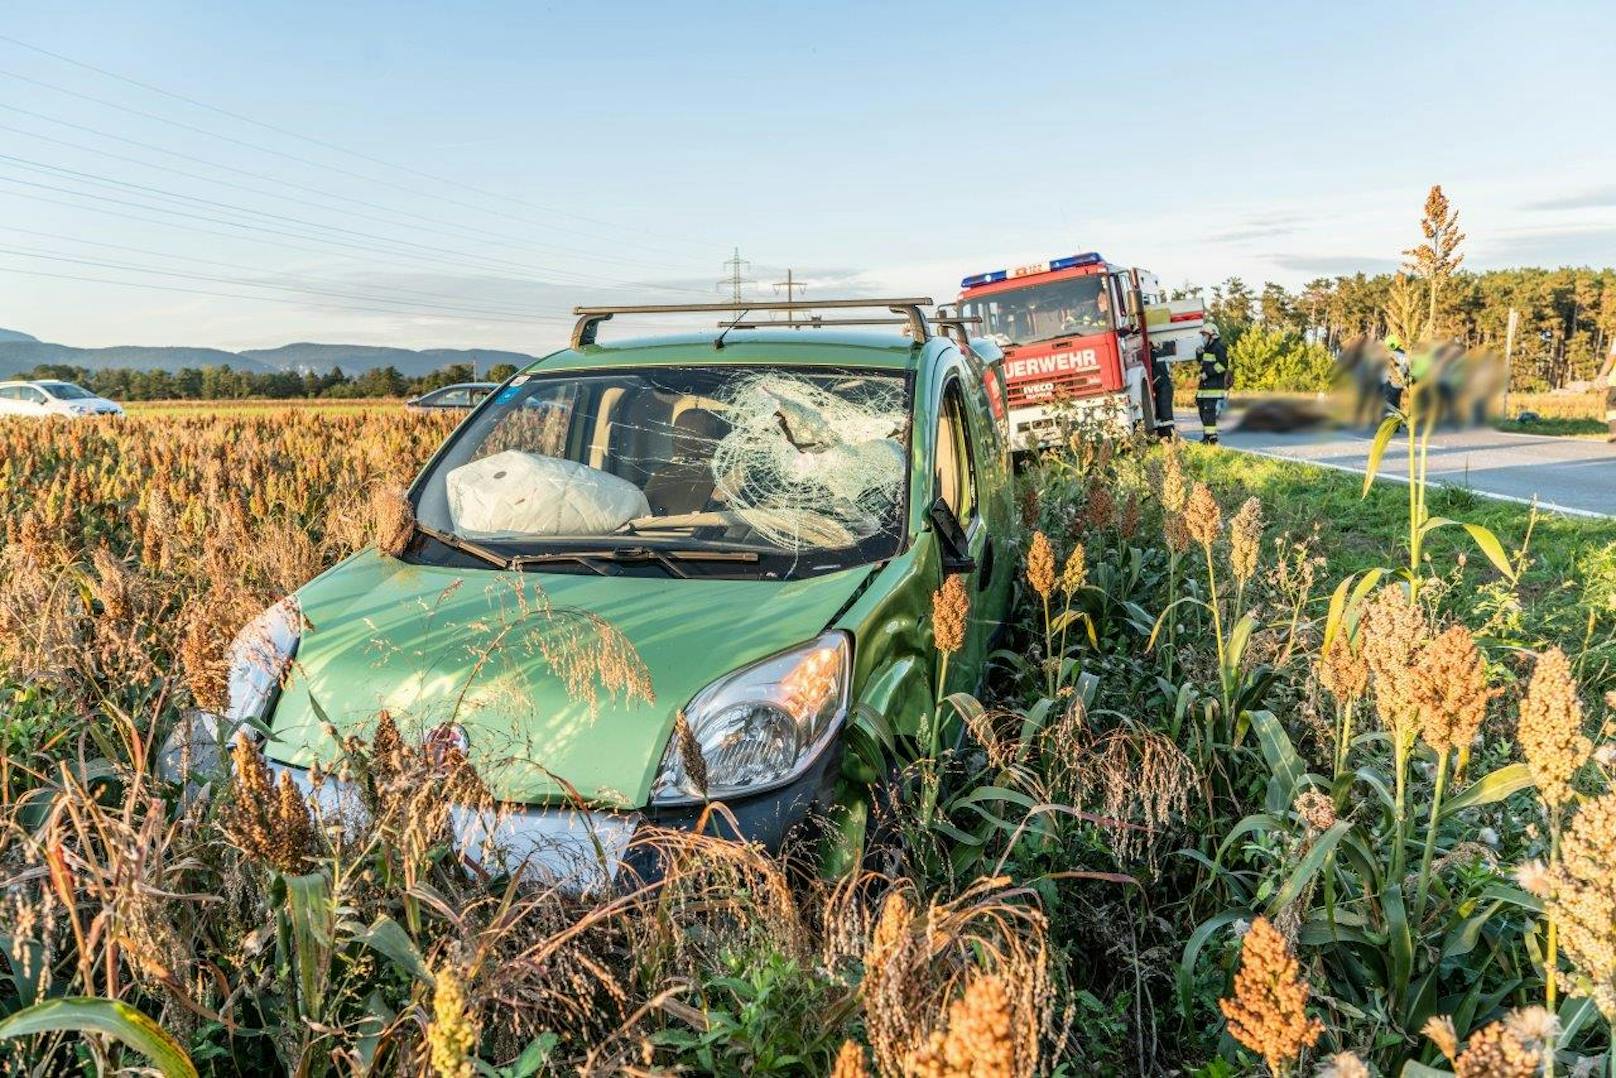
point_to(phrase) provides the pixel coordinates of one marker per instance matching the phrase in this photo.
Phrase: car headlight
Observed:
(759, 727)
(259, 658)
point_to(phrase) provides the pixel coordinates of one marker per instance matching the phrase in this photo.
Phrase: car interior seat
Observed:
(685, 483)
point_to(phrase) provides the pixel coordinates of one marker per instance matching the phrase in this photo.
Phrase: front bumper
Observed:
(577, 850)
(581, 850)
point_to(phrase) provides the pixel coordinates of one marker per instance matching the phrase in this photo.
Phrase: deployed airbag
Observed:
(517, 493)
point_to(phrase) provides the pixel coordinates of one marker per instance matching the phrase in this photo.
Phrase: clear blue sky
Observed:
(479, 168)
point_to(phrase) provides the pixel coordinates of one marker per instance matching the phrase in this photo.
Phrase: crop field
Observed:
(1251, 787)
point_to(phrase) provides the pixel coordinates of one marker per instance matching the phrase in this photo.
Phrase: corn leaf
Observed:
(1377, 449)
(1308, 867)
(1192, 951)
(388, 938)
(1338, 608)
(112, 1017)
(1285, 767)
(1490, 546)
(1492, 787)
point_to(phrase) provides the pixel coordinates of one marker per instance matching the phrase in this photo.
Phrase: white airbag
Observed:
(516, 493)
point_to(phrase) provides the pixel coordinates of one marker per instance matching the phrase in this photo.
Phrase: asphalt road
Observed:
(1572, 475)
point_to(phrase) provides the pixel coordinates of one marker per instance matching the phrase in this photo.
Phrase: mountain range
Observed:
(21, 352)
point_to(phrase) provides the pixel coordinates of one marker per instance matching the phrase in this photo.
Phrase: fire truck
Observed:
(1080, 336)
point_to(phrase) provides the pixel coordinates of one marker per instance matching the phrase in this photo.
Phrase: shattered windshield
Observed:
(762, 471)
(1076, 306)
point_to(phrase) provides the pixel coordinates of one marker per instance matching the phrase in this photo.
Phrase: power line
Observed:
(429, 223)
(96, 181)
(239, 295)
(248, 283)
(194, 129)
(220, 166)
(149, 87)
(258, 228)
(204, 261)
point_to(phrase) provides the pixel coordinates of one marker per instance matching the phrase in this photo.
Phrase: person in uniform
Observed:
(1214, 386)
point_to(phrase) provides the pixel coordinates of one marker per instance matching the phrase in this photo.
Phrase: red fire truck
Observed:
(1079, 336)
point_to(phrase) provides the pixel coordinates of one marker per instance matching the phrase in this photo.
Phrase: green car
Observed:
(652, 574)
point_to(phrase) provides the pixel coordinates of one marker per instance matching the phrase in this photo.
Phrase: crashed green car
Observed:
(737, 536)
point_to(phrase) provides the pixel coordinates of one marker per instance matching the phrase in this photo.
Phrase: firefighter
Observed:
(1161, 385)
(1214, 386)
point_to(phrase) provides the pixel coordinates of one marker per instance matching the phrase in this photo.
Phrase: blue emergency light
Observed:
(1088, 258)
(983, 278)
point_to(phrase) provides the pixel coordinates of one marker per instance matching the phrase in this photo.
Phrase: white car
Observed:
(48, 397)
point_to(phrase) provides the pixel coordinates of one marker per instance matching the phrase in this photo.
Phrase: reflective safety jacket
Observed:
(1214, 369)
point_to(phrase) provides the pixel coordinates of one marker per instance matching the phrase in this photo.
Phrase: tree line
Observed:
(227, 383)
(1567, 322)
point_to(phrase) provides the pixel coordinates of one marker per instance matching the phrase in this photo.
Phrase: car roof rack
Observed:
(909, 307)
(958, 325)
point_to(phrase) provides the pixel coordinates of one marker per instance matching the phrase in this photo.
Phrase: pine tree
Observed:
(1438, 257)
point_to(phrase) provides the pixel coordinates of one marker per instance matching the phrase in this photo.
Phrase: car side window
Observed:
(32, 395)
(955, 466)
(452, 397)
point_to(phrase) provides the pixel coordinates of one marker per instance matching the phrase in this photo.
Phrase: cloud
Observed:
(1260, 227)
(1336, 265)
(1598, 198)
(1573, 245)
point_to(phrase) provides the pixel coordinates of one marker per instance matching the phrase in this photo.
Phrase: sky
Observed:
(242, 175)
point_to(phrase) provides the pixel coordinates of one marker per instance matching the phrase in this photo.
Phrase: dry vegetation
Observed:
(1219, 807)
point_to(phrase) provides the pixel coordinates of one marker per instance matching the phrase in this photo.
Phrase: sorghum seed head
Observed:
(1268, 1012)
(1041, 565)
(1202, 516)
(1550, 728)
(1245, 540)
(950, 610)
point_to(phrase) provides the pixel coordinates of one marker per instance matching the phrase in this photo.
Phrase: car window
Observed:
(478, 394)
(803, 467)
(31, 395)
(449, 397)
(67, 391)
(955, 466)
(8, 393)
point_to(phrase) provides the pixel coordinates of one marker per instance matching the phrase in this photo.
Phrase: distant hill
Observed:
(22, 355)
(357, 358)
(21, 352)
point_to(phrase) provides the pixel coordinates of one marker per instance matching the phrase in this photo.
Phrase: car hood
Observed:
(488, 650)
(87, 406)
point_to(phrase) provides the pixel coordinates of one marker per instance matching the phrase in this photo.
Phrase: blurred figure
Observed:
(1364, 369)
(1395, 375)
(1214, 386)
(1607, 374)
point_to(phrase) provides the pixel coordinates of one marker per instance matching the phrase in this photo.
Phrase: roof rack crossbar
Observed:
(811, 323)
(590, 318)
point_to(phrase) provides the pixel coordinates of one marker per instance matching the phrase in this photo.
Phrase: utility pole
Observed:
(733, 280)
(792, 287)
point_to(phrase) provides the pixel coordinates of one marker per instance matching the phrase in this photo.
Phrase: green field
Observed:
(1571, 561)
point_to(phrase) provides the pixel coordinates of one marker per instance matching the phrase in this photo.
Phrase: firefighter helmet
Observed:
(1393, 344)
(1209, 328)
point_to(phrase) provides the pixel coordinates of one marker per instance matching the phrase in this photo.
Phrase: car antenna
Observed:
(719, 343)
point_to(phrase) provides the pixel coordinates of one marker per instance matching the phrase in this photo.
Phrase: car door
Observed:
(32, 401)
(956, 474)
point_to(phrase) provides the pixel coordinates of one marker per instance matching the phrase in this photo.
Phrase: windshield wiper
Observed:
(465, 545)
(668, 559)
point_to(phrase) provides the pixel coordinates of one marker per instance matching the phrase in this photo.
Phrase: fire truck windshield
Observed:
(1042, 312)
